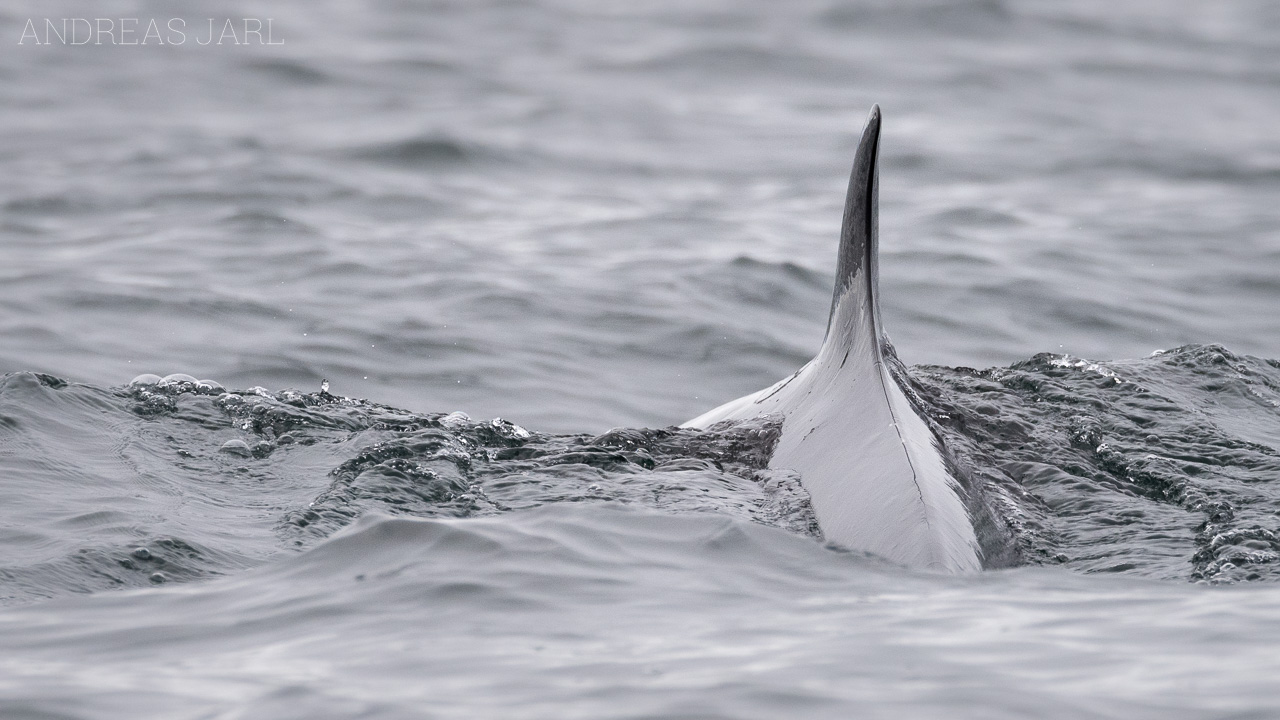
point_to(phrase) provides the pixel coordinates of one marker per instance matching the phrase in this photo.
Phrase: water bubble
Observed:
(210, 386)
(145, 379)
(236, 447)
(142, 553)
(179, 378)
(455, 420)
(158, 578)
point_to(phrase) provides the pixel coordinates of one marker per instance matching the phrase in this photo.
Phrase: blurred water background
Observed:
(590, 215)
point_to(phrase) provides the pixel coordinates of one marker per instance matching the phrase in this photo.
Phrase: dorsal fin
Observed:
(860, 228)
(874, 470)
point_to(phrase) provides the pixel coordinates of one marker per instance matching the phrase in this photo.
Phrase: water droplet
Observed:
(324, 386)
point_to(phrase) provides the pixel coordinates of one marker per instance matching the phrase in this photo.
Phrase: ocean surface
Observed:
(339, 375)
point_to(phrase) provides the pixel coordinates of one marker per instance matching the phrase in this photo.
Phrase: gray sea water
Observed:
(521, 242)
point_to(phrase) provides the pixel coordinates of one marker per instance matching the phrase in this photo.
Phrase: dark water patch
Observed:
(343, 269)
(970, 17)
(250, 195)
(631, 321)
(953, 258)
(9, 226)
(1171, 166)
(248, 142)
(291, 72)
(1264, 284)
(500, 303)
(55, 205)
(909, 161)
(977, 216)
(251, 220)
(402, 207)
(418, 65)
(424, 152)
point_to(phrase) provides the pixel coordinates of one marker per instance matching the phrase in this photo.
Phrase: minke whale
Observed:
(878, 477)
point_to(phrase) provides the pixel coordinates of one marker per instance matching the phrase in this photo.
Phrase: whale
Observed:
(877, 473)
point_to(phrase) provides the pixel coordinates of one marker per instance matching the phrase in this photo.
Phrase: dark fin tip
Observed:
(860, 228)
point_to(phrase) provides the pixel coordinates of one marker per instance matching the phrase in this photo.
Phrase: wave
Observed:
(626, 612)
(1160, 467)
